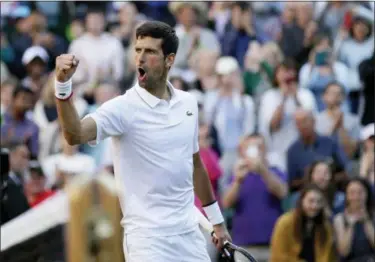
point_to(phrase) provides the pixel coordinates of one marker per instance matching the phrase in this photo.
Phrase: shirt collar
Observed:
(152, 100)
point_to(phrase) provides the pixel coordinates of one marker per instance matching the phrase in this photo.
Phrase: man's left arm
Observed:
(203, 190)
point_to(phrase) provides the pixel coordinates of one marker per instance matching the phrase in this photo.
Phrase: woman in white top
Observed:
(277, 108)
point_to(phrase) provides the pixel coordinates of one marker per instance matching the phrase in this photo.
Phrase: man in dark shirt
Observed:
(13, 200)
(16, 126)
(311, 147)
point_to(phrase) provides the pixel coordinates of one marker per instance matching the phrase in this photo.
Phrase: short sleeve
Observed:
(112, 119)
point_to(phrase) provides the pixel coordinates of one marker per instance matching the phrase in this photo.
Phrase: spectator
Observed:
(105, 91)
(17, 127)
(367, 75)
(298, 31)
(332, 17)
(257, 188)
(7, 89)
(35, 59)
(320, 174)
(278, 105)
(62, 167)
(354, 227)
(239, 32)
(19, 156)
(258, 72)
(229, 111)
(219, 15)
(101, 55)
(35, 189)
(305, 233)
(45, 116)
(13, 200)
(341, 126)
(367, 161)
(311, 147)
(358, 46)
(191, 34)
(323, 69)
(203, 64)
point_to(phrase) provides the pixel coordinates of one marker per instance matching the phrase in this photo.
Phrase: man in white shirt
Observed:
(154, 130)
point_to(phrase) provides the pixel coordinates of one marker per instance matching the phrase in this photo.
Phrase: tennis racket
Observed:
(230, 251)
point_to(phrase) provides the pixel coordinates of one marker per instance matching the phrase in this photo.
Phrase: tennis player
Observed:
(154, 130)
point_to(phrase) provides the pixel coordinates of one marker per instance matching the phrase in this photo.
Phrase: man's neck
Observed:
(309, 140)
(160, 90)
(17, 115)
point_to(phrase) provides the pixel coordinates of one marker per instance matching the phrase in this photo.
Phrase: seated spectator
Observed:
(229, 111)
(203, 64)
(108, 58)
(239, 32)
(62, 167)
(311, 147)
(320, 174)
(357, 45)
(35, 186)
(218, 17)
(298, 31)
(192, 35)
(367, 161)
(305, 233)
(45, 116)
(258, 72)
(35, 59)
(7, 89)
(255, 194)
(354, 228)
(343, 127)
(278, 105)
(13, 200)
(322, 69)
(16, 126)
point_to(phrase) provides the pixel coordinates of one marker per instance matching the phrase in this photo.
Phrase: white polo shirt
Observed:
(153, 144)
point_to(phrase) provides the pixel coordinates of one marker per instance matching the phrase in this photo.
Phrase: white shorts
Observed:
(188, 247)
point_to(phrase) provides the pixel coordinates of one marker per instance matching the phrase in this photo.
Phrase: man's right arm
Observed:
(75, 131)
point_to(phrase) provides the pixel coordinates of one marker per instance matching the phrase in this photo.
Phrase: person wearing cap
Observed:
(355, 46)
(230, 111)
(35, 186)
(191, 34)
(367, 159)
(35, 59)
(16, 125)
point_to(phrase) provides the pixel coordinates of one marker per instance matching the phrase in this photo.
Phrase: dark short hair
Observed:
(363, 20)
(334, 83)
(160, 30)
(22, 89)
(289, 63)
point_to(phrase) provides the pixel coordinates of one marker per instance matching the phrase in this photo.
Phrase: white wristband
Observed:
(63, 90)
(213, 213)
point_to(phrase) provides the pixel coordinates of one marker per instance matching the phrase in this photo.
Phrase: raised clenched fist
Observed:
(66, 65)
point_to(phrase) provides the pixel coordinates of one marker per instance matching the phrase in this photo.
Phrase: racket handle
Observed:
(203, 221)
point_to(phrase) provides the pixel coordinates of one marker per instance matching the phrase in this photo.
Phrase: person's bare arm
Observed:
(277, 118)
(344, 235)
(202, 184)
(273, 183)
(370, 231)
(75, 131)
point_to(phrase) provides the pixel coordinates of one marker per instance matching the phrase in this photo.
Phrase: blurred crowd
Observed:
(285, 91)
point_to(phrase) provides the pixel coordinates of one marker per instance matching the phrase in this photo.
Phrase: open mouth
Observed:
(142, 72)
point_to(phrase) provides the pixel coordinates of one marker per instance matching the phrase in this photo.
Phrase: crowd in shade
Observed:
(286, 125)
